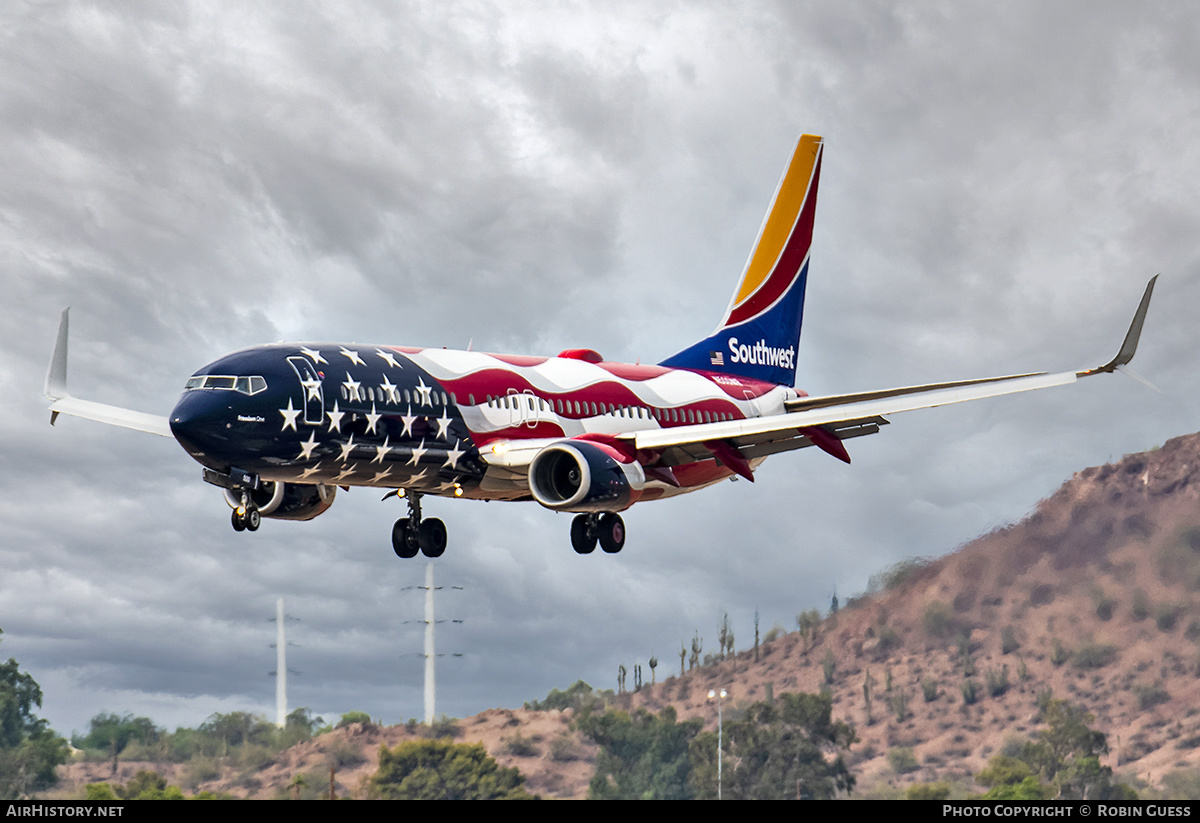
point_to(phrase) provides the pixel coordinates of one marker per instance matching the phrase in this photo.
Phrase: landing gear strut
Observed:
(412, 534)
(605, 527)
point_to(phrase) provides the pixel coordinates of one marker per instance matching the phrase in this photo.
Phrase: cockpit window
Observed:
(252, 384)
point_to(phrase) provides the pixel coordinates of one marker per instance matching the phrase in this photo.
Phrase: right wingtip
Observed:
(1130, 344)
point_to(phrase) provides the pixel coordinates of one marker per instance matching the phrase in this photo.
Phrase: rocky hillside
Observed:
(1095, 598)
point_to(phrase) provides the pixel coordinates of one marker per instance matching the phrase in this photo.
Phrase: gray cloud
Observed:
(998, 185)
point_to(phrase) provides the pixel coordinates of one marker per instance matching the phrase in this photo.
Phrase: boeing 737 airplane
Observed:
(280, 427)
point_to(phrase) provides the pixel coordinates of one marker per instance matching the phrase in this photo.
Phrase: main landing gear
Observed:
(246, 517)
(607, 528)
(412, 534)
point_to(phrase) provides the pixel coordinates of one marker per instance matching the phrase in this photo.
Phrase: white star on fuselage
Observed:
(344, 473)
(453, 454)
(289, 416)
(408, 420)
(388, 358)
(310, 471)
(314, 354)
(443, 424)
(313, 389)
(424, 391)
(353, 387)
(353, 356)
(390, 387)
(417, 454)
(306, 448)
(381, 451)
(346, 448)
(372, 419)
(335, 418)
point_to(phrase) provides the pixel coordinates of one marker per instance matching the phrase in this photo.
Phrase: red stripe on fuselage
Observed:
(500, 383)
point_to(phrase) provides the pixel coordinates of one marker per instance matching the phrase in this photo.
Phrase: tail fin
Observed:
(760, 333)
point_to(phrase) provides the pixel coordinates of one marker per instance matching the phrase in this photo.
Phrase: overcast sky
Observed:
(999, 182)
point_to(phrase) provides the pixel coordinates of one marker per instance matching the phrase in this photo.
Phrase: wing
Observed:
(826, 421)
(64, 403)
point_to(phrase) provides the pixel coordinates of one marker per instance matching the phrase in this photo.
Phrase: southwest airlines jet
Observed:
(281, 427)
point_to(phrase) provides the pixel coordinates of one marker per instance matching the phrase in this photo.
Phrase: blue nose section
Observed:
(202, 423)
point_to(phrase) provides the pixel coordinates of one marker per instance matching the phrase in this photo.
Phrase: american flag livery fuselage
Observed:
(448, 422)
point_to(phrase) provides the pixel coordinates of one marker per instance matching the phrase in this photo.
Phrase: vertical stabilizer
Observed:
(760, 332)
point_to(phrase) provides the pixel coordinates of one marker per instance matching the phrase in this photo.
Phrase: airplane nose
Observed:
(200, 422)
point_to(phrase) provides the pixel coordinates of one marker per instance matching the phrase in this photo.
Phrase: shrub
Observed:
(342, 753)
(1166, 615)
(970, 692)
(1059, 655)
(565, 749)
(828, 665)
(1102, 604)
(997, 681)
(1150, 696)
(1140, 609)
(902, 760)
(441, 728)
(896, 575)
(929, 689)
(928, 791)
(1041, 594)
(1008, 640)
(888, 641)
(519, 746)
(1094, 656)
(937, 620)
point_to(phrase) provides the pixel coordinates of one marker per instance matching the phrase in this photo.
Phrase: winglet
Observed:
(56, 375)
(1129, 347)
(61, 401)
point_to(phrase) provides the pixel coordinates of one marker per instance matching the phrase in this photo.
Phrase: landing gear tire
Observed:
(612, 532)
(401, 542)
(583, 539)
(253, 520)
(432, 537)
(239, 525)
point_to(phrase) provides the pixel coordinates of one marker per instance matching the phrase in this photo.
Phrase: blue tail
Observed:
(760, 333)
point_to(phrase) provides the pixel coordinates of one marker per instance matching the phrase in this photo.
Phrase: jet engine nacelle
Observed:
(584, 476)
(287, 501)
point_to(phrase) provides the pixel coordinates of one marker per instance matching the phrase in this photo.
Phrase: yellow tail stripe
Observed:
(781, 218)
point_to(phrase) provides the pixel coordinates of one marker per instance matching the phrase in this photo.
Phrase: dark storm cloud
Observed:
(999, 181)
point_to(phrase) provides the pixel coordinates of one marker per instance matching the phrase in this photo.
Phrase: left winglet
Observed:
(62, 401)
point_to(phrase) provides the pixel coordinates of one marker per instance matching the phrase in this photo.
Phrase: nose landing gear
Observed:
(412, 534)
(246, 517)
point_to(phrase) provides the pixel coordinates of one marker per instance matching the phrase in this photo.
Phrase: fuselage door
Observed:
(314, 392)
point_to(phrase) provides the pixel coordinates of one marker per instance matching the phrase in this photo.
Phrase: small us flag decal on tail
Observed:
(717, 358)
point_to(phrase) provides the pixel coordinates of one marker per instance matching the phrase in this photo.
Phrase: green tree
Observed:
(1063, 762)
(112, 733)
(298, 727)
(642, 756)
(353, 717)
(437, 770)
(29, 750)
(791, 747)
